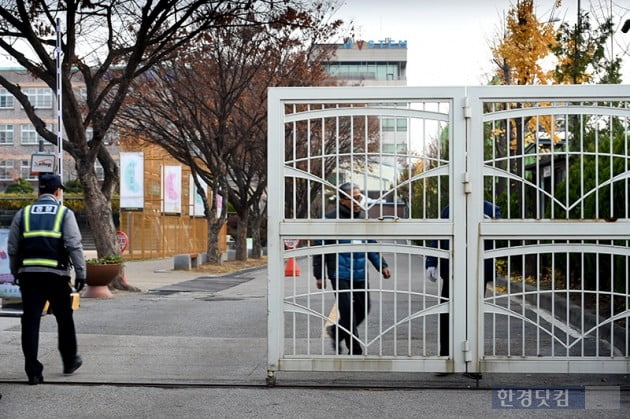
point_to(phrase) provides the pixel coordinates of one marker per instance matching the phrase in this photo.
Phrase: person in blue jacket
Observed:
(433, 266)
(348, 274)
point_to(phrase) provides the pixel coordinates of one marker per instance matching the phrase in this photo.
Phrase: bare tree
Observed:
(207, 107)
(107, 45)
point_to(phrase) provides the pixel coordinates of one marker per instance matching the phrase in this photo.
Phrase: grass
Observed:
(231, 266)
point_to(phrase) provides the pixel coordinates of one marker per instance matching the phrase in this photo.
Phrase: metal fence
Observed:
(556, 160)
(518, 195)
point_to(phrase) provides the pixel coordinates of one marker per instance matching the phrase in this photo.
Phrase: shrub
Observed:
(20, 186)
(105, 260)
(73, 186)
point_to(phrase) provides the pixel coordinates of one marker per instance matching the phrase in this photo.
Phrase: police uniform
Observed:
(44, 243)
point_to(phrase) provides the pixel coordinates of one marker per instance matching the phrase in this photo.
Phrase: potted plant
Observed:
(99, 273)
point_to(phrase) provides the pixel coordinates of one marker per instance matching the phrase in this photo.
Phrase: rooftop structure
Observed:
(369, 63)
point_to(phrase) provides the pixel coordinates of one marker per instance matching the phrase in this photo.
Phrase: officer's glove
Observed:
(16, 280)
(431, 274)
(79, 284)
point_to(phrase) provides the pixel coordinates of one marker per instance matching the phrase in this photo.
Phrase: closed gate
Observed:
(518, 197)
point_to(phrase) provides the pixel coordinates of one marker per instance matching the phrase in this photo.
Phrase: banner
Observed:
(132, 181)
(5, 269)
(195, 197)
(7, 288)
(219, 199)
(172, 189)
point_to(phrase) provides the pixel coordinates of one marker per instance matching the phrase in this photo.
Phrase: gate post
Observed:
(458, 318)
(275, 205)
(474, 215)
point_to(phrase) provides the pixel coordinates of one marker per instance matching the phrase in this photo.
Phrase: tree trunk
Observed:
(256, 242)
(214, 228)
(99, 213)
(241, 236)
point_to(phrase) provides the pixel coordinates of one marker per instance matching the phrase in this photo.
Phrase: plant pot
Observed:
(98, 277)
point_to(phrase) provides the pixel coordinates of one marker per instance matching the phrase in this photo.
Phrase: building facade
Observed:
(374, 63)
(18, 138)
(369, 63)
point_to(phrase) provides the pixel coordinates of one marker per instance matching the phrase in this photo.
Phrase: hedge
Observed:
(74, 201)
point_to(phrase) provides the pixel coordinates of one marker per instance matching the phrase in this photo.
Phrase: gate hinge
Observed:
(467, 183)
(466, 351)
(467, 112)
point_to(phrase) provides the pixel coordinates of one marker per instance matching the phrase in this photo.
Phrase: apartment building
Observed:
(18, 138)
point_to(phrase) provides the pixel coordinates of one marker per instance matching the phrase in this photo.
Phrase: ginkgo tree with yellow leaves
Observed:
(525, 43)
(519, 56)
(530, 51)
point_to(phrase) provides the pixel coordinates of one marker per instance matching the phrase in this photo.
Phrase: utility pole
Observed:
(59, 105)
(612, 33)
(576, 41)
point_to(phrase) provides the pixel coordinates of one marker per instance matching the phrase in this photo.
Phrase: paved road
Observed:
(72, 401)
(196, 347)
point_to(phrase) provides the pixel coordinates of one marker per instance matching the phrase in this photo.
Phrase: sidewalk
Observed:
(155, 273)
(151, 274)
(121, 343)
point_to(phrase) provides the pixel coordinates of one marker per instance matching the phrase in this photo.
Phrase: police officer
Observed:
(44, 243)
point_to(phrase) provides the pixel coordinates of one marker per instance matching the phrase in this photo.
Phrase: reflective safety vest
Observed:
(42, 242)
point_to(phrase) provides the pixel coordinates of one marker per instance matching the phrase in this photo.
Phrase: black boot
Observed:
(73, 366)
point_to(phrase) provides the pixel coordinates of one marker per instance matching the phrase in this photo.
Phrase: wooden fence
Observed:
(153, 233)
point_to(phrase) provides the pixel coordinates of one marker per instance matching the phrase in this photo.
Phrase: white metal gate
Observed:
(542, 288)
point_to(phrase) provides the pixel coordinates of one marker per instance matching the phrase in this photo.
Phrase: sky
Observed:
(449, 40)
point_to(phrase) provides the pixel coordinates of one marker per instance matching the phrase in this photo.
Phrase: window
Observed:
(391, 124)
(112, 137)
(40, 98)
(6, 169)
(100, 173)
(364, 70)
(25, 170)
(388, 148)
(6, 99)
(392, 69)
(28, 135)
(6, 134)
(395, 148)
(381, 71)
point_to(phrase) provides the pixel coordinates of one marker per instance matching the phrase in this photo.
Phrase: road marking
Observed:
(546, 315)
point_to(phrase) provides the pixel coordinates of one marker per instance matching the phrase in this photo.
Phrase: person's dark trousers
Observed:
(36, 289)
(444, 317)
(353, 302)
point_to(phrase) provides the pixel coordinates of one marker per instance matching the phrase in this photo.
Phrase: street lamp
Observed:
(626, 26)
